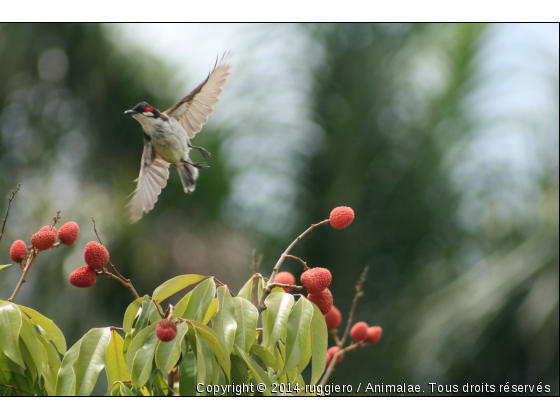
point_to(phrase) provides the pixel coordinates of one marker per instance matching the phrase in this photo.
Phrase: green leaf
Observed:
(248, 292)
(319, 343)
(148, 308)
(187, 375)
(31, 369)
(91, 359)
(137, 343)
(306, 358)
(53, 358)
(29, 337)
(10, 326)
(49, 327)
(266, 357)
(131, 314)
(201, 355)
(259, 375)
(211, 311)
(4, 266)
(143, 361)
(224, 321)
(278, 307)
(239, 374)
(167, 354)
(176, 284)
(115, 365)
(179, 310)
(298, 332)
(5, 372)
(66, 381)
(246, 317)
(200, 300)
(217, 346)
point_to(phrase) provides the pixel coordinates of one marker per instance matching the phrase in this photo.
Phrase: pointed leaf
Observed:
(4, 266)
(49, 327)
(66, 381)
(137, 343)
(115, 364)
(200, 300)
(143, 361)
(259, 375)
(131, 314)
(167, 354)
(176, 284)
(187, 376)
(246, 317)
(200, 354)
(29, 337)
(266, 357)
(211, 311)
(10, 327)
(216, 345)
(298, 332)
(278, 307)
(319, 343)
(224, 322)
(91, 359)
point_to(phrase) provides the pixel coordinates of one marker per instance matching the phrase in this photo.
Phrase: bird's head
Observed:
(143, 111)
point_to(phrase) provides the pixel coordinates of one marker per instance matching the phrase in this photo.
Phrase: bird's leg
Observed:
(201, 165)
(202, 150)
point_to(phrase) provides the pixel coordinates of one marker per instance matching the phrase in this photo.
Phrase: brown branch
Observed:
(293, 257)
(256, 261)
(24, 274)
(219, 283)
(56, 219)
(291, 286)
(357, 296)
(119, 277)
(8, 210)
(266, 291)
(340, 343)
(17, 389)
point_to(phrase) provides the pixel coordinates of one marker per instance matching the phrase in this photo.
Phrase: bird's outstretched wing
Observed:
(193, 110)
(154, 172)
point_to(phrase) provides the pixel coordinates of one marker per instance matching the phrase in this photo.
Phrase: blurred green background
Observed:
(442, 137)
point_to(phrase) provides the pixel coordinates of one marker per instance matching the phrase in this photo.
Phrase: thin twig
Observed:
(17, 389)
(24, 274)
(256, 261)
(293, 257)
(219, 283)
(8, 210)
(291, 286)
(336, 356)
(56, 219)
(261, 306)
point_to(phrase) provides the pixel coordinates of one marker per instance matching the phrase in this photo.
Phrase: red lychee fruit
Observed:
(166, 330)
(44, 238)
(341, 217)
(96, 255)
(359, 331)
(68, 233)
(83, 277)
(333, 318)
(285, 278)
(316, 279)
(373, 335)
(330, 354)
(18, 251)
(51, 228)
(323, 300)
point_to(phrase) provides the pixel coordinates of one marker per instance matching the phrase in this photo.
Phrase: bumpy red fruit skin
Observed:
(18, 251)
(373, 335)
(316, 279)
(285, 278)
(330, 354)
(323, 300)
(96, 255)
(166, 330)
(359, 331)
(83, 277)
(68, 233)
(341, 217)
(333, 318)
(44, 238)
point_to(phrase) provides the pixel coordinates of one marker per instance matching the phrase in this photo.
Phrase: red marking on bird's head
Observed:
(148, 109)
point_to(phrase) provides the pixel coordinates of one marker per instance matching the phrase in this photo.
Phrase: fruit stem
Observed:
(125, 282)
(261, 306)
(24, 274)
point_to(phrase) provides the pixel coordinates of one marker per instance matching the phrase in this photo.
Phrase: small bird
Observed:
(167, 139)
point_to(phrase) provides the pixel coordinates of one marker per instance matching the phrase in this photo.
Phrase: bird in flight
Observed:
(167, 139)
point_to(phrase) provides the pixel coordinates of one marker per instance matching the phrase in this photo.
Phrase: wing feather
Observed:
(154, 173)
(194, 109)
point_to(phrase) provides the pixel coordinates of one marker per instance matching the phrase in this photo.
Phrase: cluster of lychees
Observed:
(44, 239)
(96, 257)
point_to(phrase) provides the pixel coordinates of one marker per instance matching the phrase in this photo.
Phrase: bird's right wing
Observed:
(193, 110)
(154, 172)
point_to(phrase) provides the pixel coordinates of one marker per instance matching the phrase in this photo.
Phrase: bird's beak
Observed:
(130, 112)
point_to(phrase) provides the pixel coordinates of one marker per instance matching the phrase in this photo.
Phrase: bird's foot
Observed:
(202, 150)
(200, 165)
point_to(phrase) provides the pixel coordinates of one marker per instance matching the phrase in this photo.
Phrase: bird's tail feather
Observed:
(189, 175)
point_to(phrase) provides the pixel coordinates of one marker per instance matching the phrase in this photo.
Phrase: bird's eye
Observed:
(148, 109)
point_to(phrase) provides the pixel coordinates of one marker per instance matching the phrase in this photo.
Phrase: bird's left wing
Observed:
(154, 172)
(193, 110)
